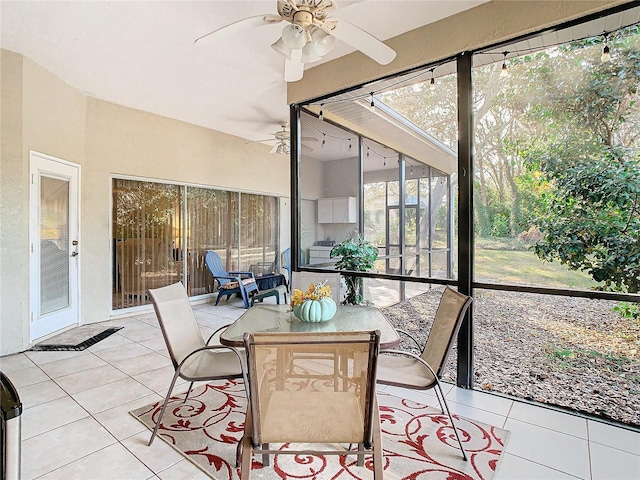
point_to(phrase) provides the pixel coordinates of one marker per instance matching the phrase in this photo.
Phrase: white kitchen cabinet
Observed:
(337, 210)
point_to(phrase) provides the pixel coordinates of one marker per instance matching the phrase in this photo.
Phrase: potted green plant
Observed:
(356, 255)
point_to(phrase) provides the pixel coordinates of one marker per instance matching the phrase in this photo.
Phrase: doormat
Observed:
(75, 339)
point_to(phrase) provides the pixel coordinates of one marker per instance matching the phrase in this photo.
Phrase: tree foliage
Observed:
(591, 219)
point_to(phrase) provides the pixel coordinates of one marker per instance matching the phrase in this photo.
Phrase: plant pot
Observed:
(315, 310)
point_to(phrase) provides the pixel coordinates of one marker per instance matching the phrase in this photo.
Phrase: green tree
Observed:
(591, 220)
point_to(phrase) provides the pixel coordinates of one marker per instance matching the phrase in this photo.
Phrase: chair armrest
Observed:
(213, 334)
(237, 351)
(243, 273)
(411, 355)
(404, 332)
(228, 277)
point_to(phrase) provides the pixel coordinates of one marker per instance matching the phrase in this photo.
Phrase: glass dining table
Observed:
(280, 319)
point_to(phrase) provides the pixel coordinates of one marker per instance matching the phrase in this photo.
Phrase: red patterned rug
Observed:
(418, 441)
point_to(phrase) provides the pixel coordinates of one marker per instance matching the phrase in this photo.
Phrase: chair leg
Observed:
(164, 405)
(445, 409)
(265, 456)
(188, 392)
(247, 447)
(245, 297)
(377, 444)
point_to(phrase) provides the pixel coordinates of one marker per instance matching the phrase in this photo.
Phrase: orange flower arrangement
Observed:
(316, 291)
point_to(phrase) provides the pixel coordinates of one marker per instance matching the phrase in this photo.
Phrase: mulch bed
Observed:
(573, 353)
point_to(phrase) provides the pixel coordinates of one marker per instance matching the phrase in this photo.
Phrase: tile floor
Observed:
(76, 425)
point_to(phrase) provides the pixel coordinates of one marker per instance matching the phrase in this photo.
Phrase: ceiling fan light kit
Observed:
(309, 36)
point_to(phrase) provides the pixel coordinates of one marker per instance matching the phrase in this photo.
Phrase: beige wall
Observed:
(14, 269)
(487, 24)
(41, 113)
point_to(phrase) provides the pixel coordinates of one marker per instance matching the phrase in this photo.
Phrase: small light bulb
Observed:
(349, 144)
(372, 108)
(367, 151)
(323, 140)
(606, 54)
(432, 84)
(504, 72)
(321, 116)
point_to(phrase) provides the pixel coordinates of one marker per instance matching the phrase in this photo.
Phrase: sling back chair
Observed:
(230, 283)
(422, 372)
(296, 397)
(193, 359)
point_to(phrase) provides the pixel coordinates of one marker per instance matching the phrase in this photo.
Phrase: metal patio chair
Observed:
(422, 372)
(194, 359)
(312, 388)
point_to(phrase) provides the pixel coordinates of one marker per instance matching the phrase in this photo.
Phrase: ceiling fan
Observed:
(309, 35)
(283, 141)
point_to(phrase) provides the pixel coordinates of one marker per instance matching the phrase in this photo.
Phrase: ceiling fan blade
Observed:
(309, 139)
(220, 34)
(274, 148)
(294, 68)
(365, 42)
(260, 141)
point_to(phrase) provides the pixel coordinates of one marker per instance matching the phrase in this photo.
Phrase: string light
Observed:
(349, 144)
(606, 51)
(432, 83)
(321, 116)
(372, 108)
(367, 151)
(324, 139)
(504, 72)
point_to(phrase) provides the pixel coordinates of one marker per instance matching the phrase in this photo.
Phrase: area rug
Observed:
(418, 441)
(77, 339)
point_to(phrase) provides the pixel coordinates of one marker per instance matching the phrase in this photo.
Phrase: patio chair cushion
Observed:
(245, 281)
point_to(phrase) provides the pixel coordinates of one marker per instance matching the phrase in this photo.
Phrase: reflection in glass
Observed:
(54, 244)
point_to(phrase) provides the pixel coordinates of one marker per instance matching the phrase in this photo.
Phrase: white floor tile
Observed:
(112, 341)
(120, 423)
(50, 415)
(156, 344)
(68, 366)
(39, 393)
(556, 450)
(611, 436)
(113, 462)
(11, 363)
(612, 464)
(481, 400)
(160, 379)
(516, 468)
(40, 358)
(544, 417)
(183, 470)
(476, 414)
(87, 379)
(158, 456)
(142, 363)
(122, 352)
(140, 334)
(56, 448)
(108, 396)
(27, 376)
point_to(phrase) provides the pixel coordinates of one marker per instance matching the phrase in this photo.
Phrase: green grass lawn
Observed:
(525, 268)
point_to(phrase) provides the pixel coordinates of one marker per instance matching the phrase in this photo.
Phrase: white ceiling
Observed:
(141, 53)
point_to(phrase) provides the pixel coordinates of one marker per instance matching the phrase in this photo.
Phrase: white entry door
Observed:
(54, 244)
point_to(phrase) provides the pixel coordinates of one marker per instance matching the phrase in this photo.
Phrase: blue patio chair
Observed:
(230, 283)
(286, 264)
